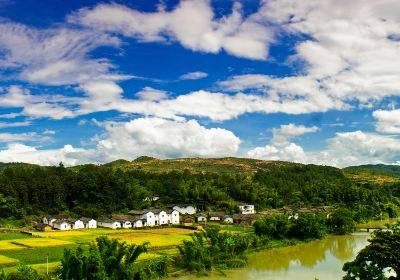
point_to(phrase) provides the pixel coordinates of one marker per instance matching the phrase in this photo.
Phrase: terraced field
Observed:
(20, 248)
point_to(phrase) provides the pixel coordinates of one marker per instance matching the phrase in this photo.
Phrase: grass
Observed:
(40, 242)
(7, 261)
(38, 255)
(6, 245)
(8, 236)
(41, 267)
(33, 251)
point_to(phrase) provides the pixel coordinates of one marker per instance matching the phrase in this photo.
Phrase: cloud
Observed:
(280, 147)
(344, 149)
(358, 147)
(23, 137)
(14, 124)
(388, 121)
(151, 94)
(193, 75)
(192, 23)
(344, 56)
(54, 56)
(143, 136)
(69, 155)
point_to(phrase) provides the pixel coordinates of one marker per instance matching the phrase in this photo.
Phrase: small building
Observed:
(109, 223)
(247, 209)
(187, 219)
(61, 224)
(137, 223)
(49, 219)
(201, 218)
(216, 216)
(228, 219)
(161, 217)
(89, 223)
(185, 209)
(146, 215)
(173, 217)
(75, 223)
(42, 227)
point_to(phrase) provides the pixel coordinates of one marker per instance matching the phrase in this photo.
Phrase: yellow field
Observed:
(6, 261)
(163, 241)
(40, 242)
(6, 245)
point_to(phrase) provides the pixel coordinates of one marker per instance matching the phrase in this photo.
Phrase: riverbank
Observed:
(289, 258)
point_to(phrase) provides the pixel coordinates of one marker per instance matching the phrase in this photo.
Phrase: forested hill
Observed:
(197, 165)
(391, 169)
(210, 184)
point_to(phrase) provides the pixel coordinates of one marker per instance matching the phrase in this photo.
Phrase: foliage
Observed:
(213, 248)
(341, 221)
(111, 259)
(305, 226)
(382, 254)
(23, 273)
(92, 190)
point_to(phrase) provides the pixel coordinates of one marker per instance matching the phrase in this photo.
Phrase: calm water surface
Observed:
(322, 259)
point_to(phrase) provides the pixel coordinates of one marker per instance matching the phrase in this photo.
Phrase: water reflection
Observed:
(307, 255)
(322, 258)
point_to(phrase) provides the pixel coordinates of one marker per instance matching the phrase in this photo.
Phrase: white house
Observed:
(173, 217)
(109, 223)
(247, 209)
(148, 216)
(49, 219)
(61, 224)
(126, 224)
(216, 216)
(201, 218)
(137, 223)
(89, 223)
(188, 209)
(76, 223)
(161, 217)
(228, 220)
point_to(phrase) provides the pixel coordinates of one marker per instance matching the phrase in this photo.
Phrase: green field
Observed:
(15, 248)
(6, 261)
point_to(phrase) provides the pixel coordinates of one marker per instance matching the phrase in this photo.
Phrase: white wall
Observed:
(175, 217)
(162, 218)
(62, 226)
(91, 224)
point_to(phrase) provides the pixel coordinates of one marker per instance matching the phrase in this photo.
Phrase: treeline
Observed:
(92, 190)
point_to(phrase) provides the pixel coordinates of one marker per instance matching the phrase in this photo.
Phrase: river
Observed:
(322, 259)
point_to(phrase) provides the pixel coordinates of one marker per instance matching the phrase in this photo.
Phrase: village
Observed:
(186, 215)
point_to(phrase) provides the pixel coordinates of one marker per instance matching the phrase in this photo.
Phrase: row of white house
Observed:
(135, 219)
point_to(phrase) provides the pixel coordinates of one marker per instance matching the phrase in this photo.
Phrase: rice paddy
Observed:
(20, 248)
(6, 261)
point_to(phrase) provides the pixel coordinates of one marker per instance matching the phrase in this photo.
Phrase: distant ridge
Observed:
(373, 173)
(199, 165)
(392, 169)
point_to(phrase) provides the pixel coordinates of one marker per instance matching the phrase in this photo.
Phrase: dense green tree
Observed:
(341, 221)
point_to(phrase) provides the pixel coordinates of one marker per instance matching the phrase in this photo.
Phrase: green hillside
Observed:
(378, 174)
(390, 169)
(198, 165)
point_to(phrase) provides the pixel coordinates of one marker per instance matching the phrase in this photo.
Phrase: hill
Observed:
(388, 169)
(198, 165)
(378, 174)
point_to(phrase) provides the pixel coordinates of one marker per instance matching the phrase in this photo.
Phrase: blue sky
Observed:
(305, 81)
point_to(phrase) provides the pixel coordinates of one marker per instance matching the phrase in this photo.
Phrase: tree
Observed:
(341, 221)
(381, 255)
